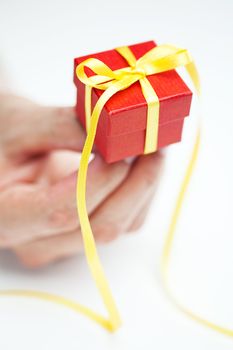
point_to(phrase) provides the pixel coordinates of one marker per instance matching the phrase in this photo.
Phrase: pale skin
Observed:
(38, 218)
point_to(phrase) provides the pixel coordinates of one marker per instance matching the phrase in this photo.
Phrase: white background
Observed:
(39, 40)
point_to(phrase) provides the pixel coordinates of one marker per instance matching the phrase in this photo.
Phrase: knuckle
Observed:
(116, 172)
(60, 216)
(152, 168)
(6, 240)
(31, 259)
(136, 226)
(108, 232)
(12, 138)
(15, 216)
(62, 219)
(150, 175)
(59, 123)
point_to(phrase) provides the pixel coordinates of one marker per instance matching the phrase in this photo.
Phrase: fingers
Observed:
(47, 250)
(120, 209)
(27, 173)
(141, 217)
(102, 180)
(124, 210)
(29, 212)
(29, 128)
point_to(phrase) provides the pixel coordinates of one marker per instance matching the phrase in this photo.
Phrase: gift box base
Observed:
(115, 148)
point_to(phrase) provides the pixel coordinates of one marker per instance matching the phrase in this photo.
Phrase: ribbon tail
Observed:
(88, 92)
(59, 300)
(169, 245)
(88, 239)
(193, 73)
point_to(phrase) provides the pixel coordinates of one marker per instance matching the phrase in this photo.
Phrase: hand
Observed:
(38, 219)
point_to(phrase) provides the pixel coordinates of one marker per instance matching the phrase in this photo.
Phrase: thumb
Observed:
(55, 128)
(29, 128)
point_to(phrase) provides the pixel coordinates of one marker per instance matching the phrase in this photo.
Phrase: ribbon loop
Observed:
(125, 52)
(103, 73)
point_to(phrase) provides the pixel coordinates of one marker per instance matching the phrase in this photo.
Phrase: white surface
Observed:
(39, 40)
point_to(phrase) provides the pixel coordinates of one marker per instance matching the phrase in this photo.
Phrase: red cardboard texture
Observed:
(122, 124)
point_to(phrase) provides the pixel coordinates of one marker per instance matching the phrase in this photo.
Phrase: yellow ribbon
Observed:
(169, 244)
(159, 59)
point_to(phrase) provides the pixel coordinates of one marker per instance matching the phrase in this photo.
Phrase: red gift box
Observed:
(122, 124)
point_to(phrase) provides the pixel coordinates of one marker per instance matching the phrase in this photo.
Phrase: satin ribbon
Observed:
(159, 59)
(166, 255)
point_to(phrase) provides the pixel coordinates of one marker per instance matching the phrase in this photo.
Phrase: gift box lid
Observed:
(174, 95)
